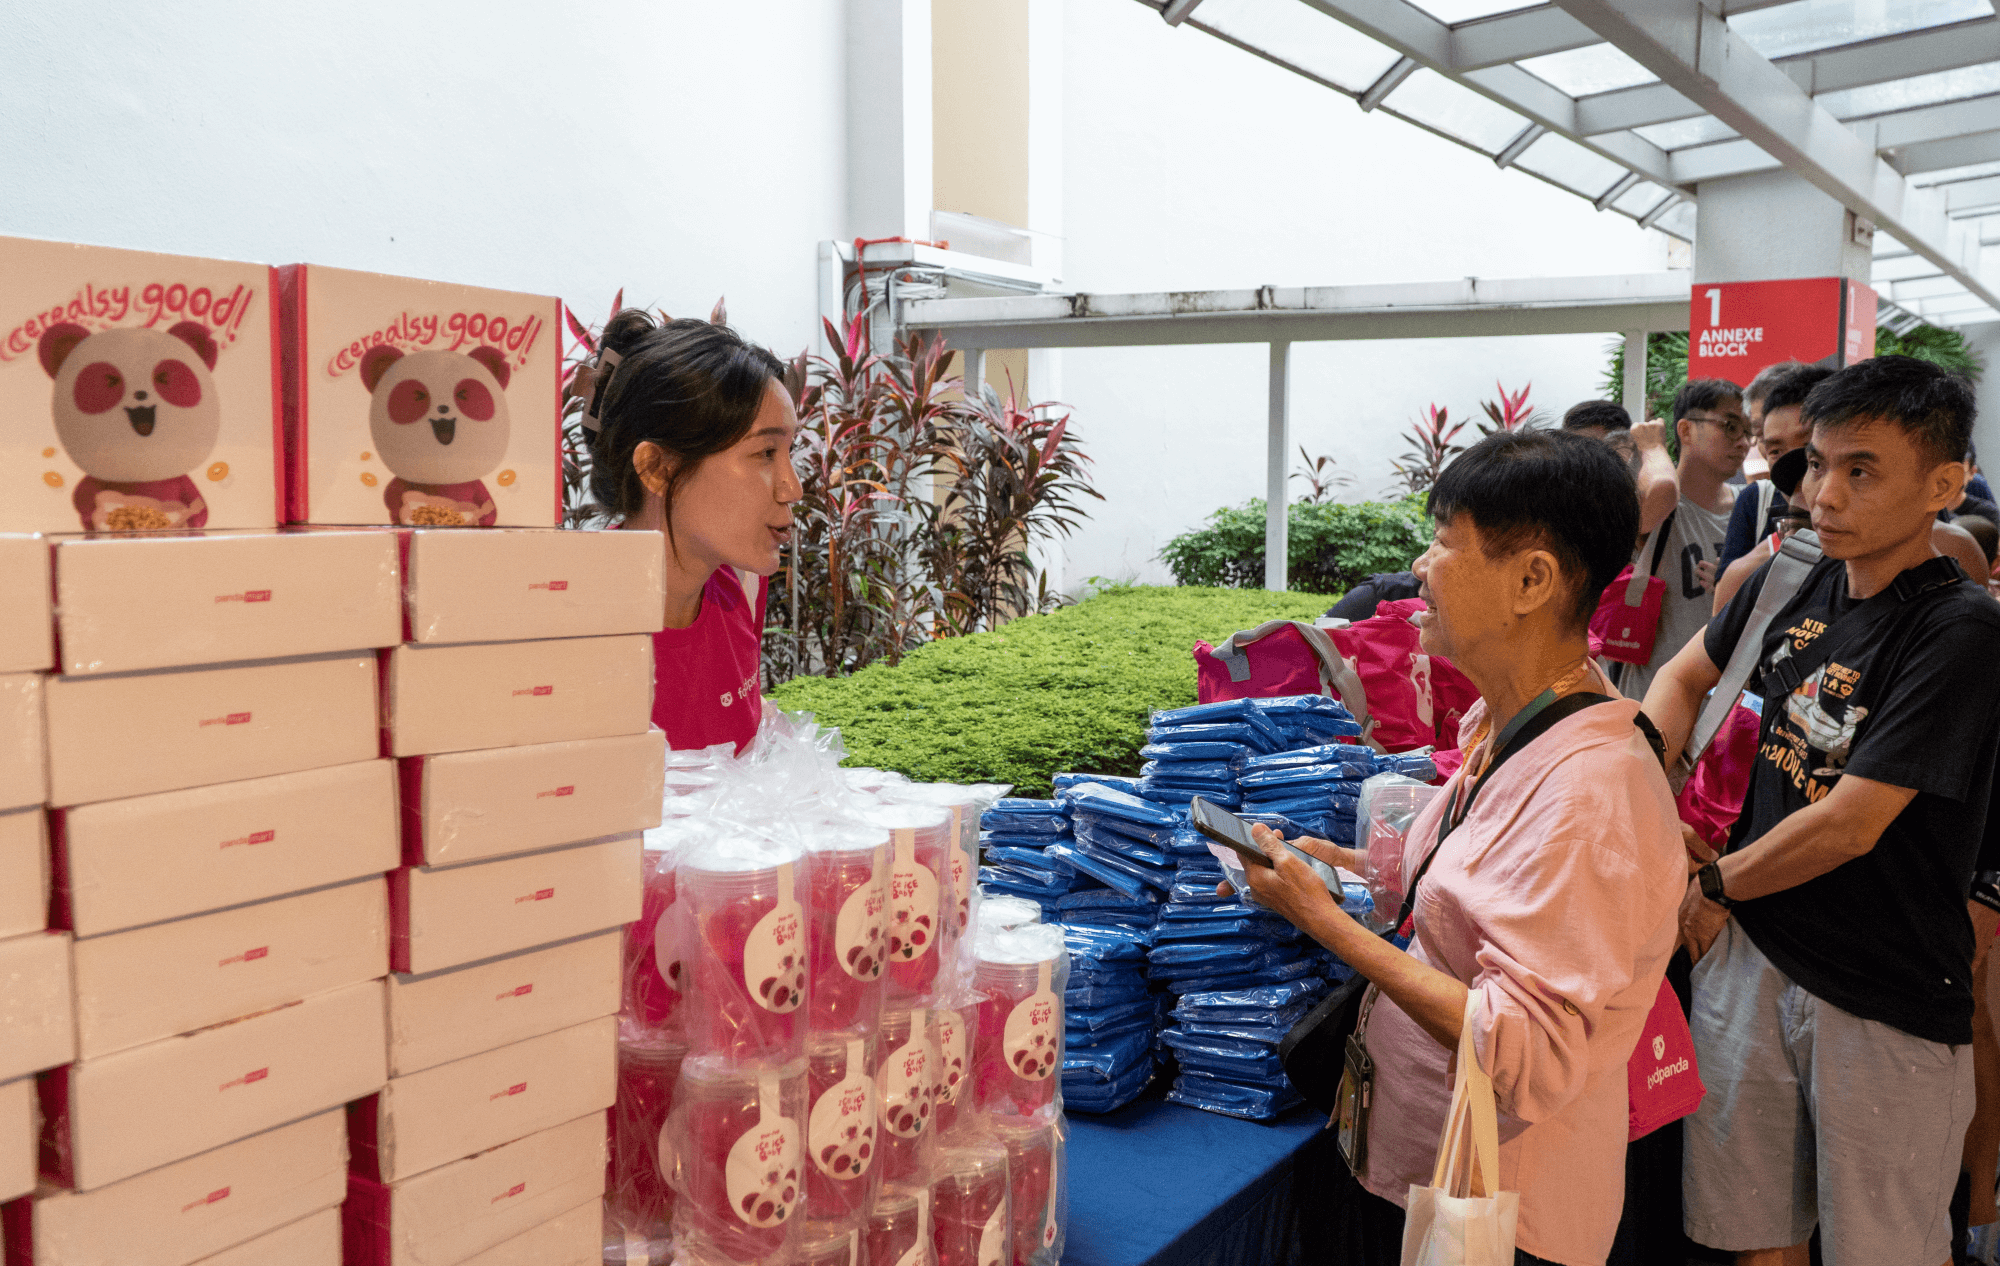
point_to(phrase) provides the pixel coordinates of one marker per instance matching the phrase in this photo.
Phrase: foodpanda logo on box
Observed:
(536, 691)
(556, 792)
(233, 718)
(247, 956)
(249, 1078)
(518, 1088)
(518, 991)
(553, 586)
(510, 1193)
(248, 595)
(540, 894)
(255, 837)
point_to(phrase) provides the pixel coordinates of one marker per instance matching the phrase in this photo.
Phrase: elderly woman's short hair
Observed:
(1556, 490)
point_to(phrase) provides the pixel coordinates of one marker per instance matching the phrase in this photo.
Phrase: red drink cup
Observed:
(825, 1245)
(905, 1095)
(639, 1199)
(969, 1211)
(955, 1029)
(1031, 1174)
(848, 929)
(841, 1176)
(738, 1134)
(920, 938)
(653, 946)
(1017, 1051)
(964, 805)
(747, 950)
(899, 1228)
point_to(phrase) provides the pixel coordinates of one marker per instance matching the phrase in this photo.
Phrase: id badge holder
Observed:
(1357, 1090)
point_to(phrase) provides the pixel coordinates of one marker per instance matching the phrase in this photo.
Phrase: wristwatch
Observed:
(1710, 878)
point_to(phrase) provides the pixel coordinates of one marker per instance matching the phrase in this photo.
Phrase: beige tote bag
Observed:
(1460, 1219)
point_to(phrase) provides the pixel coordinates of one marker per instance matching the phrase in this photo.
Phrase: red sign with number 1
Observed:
(1737, 328)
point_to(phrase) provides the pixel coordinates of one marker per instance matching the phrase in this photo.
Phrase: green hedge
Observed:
(1330, 545)
(1070, 690)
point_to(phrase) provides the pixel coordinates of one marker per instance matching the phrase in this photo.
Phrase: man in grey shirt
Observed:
(1714, 437)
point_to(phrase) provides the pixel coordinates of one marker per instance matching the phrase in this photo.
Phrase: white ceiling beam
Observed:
(1692, 49)
(1914, 160)
(1422, 38)
(1850, 66)
(1177, 11)
(1510, 37)
(1965, 195)
(1924, 125)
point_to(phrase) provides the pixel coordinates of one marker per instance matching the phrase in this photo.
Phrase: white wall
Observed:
(1190, 164)
(679, 149)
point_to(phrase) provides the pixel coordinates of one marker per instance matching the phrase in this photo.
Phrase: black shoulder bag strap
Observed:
(1314, 1052)
(1930, 576)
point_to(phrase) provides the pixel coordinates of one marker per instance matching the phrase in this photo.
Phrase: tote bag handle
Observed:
(1468, 1159)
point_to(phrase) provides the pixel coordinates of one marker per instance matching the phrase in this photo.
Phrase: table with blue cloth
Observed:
(1158, 1184)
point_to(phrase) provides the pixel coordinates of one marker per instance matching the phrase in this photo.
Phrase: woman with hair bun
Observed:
(692, 438)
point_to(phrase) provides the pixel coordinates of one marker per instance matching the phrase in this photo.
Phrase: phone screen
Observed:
(1227, 829)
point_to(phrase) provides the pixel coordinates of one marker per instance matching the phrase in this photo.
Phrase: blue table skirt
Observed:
(1158, 1184)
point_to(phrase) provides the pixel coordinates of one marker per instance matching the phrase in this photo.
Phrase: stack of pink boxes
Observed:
(518, 709)
(219, 818)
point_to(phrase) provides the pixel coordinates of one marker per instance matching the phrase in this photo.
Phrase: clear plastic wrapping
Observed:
(847, 916)
(1019, 976)
(737, 1137)
(1389, 805)
(746, 921)
(638, 1199)
(970, 1210)
(841, 1128)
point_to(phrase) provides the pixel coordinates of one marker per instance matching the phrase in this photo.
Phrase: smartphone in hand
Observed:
(1226, 829)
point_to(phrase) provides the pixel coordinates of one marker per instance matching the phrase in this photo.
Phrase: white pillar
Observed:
(1278, 457)
(973, 371)
(1773, 226)
(1635, 375)
(889, 118)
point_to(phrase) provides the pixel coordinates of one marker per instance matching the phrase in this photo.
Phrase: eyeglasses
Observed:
(1733, 429)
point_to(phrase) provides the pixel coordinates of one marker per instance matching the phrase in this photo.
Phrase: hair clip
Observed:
(607, 364)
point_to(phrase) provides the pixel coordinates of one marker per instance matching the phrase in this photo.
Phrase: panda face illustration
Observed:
(134, 405)
(438, 417)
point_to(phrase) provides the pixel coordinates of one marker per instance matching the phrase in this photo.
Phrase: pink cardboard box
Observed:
(137, 391)
(419, 403)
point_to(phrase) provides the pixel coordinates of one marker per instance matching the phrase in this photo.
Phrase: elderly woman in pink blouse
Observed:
(1554, 895)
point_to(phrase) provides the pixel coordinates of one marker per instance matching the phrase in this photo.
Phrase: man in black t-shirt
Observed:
(1832, 1010)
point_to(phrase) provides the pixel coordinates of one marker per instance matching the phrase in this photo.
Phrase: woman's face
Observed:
(1471, 598)
(735, 510)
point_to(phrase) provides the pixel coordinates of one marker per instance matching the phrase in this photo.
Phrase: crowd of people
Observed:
(1827, 953)
(1830, 954)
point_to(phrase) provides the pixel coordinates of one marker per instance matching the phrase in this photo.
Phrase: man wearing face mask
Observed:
(1784, 388)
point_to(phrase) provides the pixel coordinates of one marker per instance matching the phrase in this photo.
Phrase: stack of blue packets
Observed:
(1015, 835)
(1119, 839)
(1196, 751)
(1226, 1042)
(1111, 1017)
(1318, 787)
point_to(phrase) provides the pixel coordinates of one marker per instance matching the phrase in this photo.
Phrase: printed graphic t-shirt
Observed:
(706, 688)
(1695, 535)
(1911, 704)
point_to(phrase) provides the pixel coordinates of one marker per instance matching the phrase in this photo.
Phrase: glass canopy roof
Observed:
(1589, 96)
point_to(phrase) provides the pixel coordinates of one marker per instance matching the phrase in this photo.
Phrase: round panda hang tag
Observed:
(841, 1130)
(860, 932)
(908, 1081)
(913, 902)
(774, 958)
(1029, 1038)
(965, 830)
(761, 1174)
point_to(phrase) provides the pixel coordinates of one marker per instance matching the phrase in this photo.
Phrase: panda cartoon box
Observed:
(417, 403)
(138, 392)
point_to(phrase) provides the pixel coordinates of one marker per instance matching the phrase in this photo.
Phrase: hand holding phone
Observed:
(1226, 829)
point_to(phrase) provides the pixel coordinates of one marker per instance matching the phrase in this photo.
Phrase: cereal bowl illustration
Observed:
(440, 422)
(136, 409)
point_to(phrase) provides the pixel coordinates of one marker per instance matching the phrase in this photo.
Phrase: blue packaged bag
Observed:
(1187, 891)
(1157, 836)
(1091, 1019)
(1122, 919)
(1098, 1099)
(1083, 1039)
(1195, 771)
(1107, 1060)
(1158, 877)
(1236, 954)
(1360, 762)
(1204, 713)
(1236, 1004)
(1194, 750)
(1021, 839)
(1177, 1038)
(1213, 908)
(1124, 846)
(1112, 802)
(1117, 782)
(1091, 945)
(1024, 861)
(1306, 705)
(1266, 928)
(1179, 796)
(1110, 876)
(1313, 775)
(1106, 899)
(1252, 1103)
(1130, 989)
(1284, 826)
(1013, 883)
(1241, 732)
(1268, 1034)
(1217, 979)
(1259, 1070)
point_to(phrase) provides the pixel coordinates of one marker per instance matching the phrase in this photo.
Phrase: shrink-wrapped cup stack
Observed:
(806, 1071)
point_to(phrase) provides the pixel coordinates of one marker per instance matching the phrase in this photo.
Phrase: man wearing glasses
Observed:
(1714, 436)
